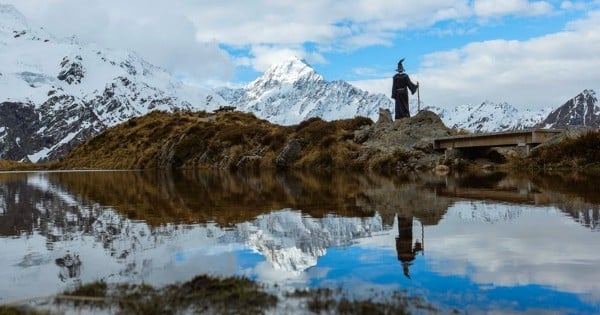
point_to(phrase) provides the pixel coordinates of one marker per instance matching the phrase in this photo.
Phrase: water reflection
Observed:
(490, 237)
(70, 267)
(573, 193)
(404, 244)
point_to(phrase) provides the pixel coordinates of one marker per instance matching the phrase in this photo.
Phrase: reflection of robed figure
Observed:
(404, 243)
(400, 87)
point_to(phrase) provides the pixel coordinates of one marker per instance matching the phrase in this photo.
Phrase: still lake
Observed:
(481, 243)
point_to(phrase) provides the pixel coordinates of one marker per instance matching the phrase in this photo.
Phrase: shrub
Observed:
(275, 139)
(581, 151)
(305, 123)
(239, 135)
(316, 130)
(354, 123)
(389, 162)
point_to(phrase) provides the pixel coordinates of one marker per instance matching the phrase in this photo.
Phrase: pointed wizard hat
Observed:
(400, 66)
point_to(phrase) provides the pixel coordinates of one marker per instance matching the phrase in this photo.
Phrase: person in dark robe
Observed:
(400, 87)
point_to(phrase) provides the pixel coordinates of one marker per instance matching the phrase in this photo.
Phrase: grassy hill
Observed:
(223, 140)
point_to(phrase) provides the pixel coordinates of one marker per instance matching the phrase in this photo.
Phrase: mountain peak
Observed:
(586, 97)
(581, 110)
(290, 70)
(588, 93)
(292, 91)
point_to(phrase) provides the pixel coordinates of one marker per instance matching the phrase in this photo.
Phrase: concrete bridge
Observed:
(524, 140)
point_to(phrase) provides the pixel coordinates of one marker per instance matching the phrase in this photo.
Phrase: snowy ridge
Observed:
(67, 91)
(489, 117)
(292, 91)
(489, 213)
(292, 242)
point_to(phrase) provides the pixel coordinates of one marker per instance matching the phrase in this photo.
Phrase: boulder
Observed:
(424, 146)
(289, 154)
(385, 117)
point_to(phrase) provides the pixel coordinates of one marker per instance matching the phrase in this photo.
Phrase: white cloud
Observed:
(383, 86)
(517, 252)
(265, 55)
(367, 71)
(493, 8)
(330, 25)
(158, 31)
(185, 35)
(578, 5)
(539, 72)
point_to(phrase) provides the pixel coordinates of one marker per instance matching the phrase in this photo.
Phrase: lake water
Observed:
(478, 244)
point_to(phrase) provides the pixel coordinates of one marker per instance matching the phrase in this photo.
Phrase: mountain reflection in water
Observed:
(473, 242)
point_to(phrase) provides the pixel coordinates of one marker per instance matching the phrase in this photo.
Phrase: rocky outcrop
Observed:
(289, 154)
(412, 137)
(19, 121)
(50, 129)
(404, 133)
(72, 71)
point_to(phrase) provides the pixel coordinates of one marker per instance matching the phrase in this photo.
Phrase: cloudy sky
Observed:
(528, 53)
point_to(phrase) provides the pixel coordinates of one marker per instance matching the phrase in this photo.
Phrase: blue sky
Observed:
(380, 60)
(528, 53)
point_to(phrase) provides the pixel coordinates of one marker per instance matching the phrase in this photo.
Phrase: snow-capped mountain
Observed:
(489, 117)
(583, 109)
(55, 93)
(292, 91)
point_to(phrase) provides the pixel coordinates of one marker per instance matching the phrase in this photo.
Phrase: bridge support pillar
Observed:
(451, 153)
(523, 149)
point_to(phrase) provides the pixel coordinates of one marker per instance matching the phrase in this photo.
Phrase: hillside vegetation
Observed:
(577, 152)
(237, 140)
(224, 140)
(7, 165)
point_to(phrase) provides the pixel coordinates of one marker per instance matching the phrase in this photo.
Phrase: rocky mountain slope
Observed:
(489, 117)
(291, 91)
(55, 93)
(583, 110)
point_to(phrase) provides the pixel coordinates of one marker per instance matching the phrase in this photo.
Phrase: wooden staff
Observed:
(418, 97)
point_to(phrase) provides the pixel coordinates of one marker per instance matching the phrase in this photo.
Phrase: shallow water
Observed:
(478, 244)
